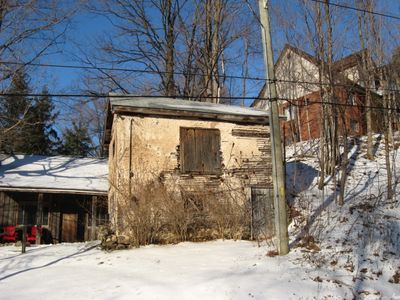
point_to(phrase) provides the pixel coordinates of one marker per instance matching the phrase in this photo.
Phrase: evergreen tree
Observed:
(76, 141)
(14, 111)
(42, 139)
(27, 124)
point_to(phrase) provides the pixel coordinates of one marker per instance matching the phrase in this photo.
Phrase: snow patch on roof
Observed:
(184, 105)
(54, 172)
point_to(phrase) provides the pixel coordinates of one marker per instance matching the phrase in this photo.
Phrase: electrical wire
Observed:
(128, 97)
(358, 9)
(196, 74)
(291, 101)
(122, 70)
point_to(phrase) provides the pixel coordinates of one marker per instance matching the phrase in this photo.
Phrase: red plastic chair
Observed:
(31, 237)
(10, 234)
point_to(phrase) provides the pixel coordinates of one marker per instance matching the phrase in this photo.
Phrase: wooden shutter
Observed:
(200, 150)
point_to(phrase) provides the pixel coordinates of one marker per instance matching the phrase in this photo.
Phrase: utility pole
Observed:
(278, 175)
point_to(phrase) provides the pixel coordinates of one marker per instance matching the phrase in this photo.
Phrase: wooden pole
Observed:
(93, 225)
(39, 218)
(23, 238)
(23, 242)
(278, 175)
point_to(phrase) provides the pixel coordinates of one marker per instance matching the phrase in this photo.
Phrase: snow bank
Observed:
(359, 242)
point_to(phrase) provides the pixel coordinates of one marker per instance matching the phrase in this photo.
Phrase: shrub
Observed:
(157, 214)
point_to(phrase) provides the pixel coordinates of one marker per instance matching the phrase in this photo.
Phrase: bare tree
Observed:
(367, 75)
(145, 36)
(382, 73)
(184, 44)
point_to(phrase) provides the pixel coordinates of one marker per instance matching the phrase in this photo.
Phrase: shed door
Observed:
(69, 228)
(262, 207)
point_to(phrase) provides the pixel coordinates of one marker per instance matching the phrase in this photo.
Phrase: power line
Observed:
(350, 86)
(340, 104)
(123, 70)
(196, 74)
(291, 101)
(358, 9)
(94, 95)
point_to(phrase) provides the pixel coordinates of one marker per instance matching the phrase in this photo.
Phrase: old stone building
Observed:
(192, 151)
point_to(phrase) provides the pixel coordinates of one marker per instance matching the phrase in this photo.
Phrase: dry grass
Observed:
(155, 214)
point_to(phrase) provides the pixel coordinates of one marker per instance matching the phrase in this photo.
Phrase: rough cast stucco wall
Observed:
(144, 149)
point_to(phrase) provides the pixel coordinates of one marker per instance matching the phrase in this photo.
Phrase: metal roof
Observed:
(172, 104)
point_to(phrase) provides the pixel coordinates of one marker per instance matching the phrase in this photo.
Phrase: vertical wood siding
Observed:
(8, 209)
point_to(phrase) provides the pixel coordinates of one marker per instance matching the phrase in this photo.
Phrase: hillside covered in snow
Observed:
(357, 245)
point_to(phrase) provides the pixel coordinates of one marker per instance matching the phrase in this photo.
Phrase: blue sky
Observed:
(87, 27)
(84, 30)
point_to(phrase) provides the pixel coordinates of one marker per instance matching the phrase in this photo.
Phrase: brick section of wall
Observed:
(306, 117)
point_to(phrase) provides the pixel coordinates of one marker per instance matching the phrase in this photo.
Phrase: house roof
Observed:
(54, 174)
(339, 66)
(349, 61)
(312, 59)
(286, 49)
(181, 109)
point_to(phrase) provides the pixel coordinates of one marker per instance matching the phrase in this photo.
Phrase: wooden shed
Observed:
(67, 196)
(192, 148)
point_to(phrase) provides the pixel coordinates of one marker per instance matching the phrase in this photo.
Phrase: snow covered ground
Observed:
(212, 270)
(348, 252)
(358, 244)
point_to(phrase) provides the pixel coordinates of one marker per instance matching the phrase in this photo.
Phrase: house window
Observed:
(351, 99)
(354, 126)
(288, 113)
(200, 151)
(377, 84)
(101, 215)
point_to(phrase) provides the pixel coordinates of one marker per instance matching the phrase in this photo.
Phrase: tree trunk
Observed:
(367, 78)
(170, 49)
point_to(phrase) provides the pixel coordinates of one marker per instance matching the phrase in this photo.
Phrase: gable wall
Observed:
(353, 74)
(293, 67)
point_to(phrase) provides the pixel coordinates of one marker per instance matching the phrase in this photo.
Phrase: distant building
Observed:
(300, 95)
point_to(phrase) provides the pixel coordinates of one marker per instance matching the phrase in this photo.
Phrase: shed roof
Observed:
(172, 105)
(54, 174)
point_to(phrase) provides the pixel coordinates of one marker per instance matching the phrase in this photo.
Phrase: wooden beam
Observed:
(93, 225)
(109, 118)
(53, 191)
(256, 133)
(23, 242)
(39, 218)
